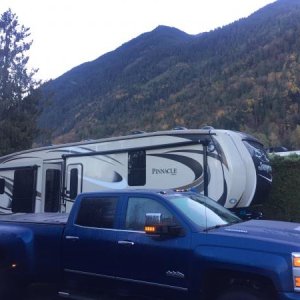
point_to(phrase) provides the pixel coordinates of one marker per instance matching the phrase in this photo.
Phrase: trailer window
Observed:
(2, 186)
(97, 212)
(137, 168)
(52, 190)
(24, 190)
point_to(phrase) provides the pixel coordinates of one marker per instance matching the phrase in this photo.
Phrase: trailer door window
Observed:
(24, 190)
(137, 168)
(52, 190)
(73, 183)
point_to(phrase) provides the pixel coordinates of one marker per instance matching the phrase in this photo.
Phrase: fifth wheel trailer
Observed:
(230, 167)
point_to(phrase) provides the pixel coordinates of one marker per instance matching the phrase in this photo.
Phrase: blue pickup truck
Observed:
(155, 243)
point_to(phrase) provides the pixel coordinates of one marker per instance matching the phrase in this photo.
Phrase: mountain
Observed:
(243, 76)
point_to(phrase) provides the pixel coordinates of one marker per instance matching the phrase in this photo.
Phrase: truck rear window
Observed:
(97, 212)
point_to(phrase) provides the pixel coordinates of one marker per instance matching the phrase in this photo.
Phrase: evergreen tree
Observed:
(18, 96)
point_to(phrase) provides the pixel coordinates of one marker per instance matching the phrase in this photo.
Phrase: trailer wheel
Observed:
(242, 293)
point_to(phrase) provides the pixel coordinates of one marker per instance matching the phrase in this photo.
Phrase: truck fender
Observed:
(274, 267)
(16, 250)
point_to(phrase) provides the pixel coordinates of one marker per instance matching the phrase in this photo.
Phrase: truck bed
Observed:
(40, 218)
(34, 241)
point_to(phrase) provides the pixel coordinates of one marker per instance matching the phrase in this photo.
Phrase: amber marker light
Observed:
(150, 229)
(297, 282)
(296, 261)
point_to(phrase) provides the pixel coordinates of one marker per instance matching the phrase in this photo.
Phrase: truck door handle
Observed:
(126, 243)
(71, 237)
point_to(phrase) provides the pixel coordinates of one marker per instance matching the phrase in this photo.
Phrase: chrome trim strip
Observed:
(64, 294)
(128, 280)
(71, 237)
(236, 230)
(109, 229)
(126, 243)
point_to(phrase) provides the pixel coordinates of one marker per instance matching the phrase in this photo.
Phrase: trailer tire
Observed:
(242, 293)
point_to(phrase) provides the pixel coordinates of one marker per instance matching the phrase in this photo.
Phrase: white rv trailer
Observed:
(230, 167)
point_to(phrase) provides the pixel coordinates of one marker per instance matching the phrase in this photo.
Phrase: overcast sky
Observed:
(67, 33)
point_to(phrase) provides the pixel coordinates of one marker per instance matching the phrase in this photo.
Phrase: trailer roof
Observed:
(181, 132)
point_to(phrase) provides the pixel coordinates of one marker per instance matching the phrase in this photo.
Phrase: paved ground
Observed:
(45, 296)
(48, 297)
(38, 293)
(41, 294)
(101, 297)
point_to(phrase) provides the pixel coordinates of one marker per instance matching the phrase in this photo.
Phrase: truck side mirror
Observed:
(156, 226)
(2, 186)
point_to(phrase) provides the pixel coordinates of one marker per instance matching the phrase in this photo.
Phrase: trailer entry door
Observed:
(24, 190)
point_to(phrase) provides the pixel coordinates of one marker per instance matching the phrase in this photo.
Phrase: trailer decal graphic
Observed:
(222, 199)
(117, 183)
(219, 157)
(191, 163)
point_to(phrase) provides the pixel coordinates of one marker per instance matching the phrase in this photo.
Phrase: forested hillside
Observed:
(243, 76)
